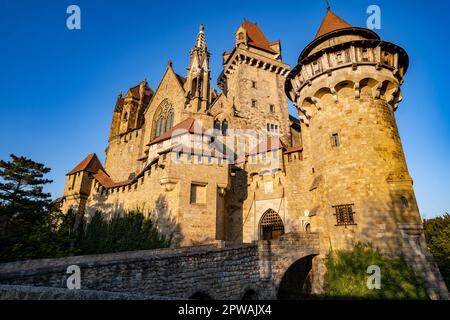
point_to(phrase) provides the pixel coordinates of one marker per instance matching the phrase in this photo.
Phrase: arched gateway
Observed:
(271, 226)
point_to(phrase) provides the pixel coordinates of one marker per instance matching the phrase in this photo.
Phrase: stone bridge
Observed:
(262, 270)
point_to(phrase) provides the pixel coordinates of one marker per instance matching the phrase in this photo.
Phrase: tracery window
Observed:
(163, 119)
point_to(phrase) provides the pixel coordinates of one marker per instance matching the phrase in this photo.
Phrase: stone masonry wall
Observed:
(224, 271)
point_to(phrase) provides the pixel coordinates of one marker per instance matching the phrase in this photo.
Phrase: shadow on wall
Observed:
(160, 214)
(235, 217)
(100, 204)
(166, 222)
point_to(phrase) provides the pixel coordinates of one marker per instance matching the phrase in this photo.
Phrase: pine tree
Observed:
(23, 206)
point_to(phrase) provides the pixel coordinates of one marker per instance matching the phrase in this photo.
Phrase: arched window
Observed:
(164, 119)
(159, 126)
(194, 87)
(224, 127)
(169, 121)
(241, 36)
(125, 116)
(216, 126)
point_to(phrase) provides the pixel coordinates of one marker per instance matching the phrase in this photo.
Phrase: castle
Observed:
(237, 167)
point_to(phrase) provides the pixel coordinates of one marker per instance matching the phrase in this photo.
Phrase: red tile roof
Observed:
(104, 179)
(185, 126)
(331, 23)
(256, 36)
(293, 149)
(271, 144)
(90, 164)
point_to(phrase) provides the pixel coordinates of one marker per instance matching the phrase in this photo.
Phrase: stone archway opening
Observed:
(271, 226)
(297, 280)
(250, 295)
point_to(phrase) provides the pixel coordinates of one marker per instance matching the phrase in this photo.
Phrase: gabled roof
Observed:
(181, 79)
(90, 164)
(186, 126)
(256, 37)
(119, 105)
(331, 23)
(104, 179)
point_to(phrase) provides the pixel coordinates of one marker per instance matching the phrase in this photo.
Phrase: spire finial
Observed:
(201, 41)
(328, 5)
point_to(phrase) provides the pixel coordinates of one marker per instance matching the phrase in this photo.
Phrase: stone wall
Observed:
(223, 271)
(18, 292)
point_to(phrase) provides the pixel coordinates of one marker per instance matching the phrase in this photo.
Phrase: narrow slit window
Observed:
(335, 140)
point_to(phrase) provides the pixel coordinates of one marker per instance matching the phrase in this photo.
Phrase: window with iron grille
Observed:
(335, 141)
(344, 215)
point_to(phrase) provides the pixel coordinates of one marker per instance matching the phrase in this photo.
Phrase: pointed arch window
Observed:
(169, 121)
(216, 126)
(164, 119)
(224, 127)
(125, 116)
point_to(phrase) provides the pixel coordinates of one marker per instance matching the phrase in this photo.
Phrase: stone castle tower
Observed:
(346, 87)
(338, 171)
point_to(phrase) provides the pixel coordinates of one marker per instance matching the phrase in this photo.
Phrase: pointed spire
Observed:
(331, 23)
(328, 5)
(201, 39)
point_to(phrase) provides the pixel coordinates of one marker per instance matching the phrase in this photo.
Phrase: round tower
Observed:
(346, 87)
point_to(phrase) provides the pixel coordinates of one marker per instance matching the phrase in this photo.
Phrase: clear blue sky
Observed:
(58, 87)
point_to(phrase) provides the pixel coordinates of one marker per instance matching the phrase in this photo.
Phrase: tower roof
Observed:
(256, 37)
(90, 164)
(185, 126)
(331, 23)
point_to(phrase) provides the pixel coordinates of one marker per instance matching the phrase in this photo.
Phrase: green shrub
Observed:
(131, 231)
(437, 233)
(347, 276)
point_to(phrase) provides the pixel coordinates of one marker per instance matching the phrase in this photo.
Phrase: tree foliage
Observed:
(437, 233)
(24, 208)
(347, 276)
(33, 227)
(131, 231)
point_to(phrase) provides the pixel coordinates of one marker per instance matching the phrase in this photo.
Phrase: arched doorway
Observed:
(250, 295)
(297, 280)
(271, 226)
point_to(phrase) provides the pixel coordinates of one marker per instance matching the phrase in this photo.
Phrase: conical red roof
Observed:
(331, 23)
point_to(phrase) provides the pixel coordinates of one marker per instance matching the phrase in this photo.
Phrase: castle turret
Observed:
(197, 86)
(346, 87)
(253, 81)
(78, 185)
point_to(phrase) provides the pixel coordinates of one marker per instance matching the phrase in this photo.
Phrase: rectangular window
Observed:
(339, 58)
(254, 103)
(254, 84)
(365, 55)
(316, 67)
(272, 108)
(344, 215)
(335, 141)
(198, 193)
